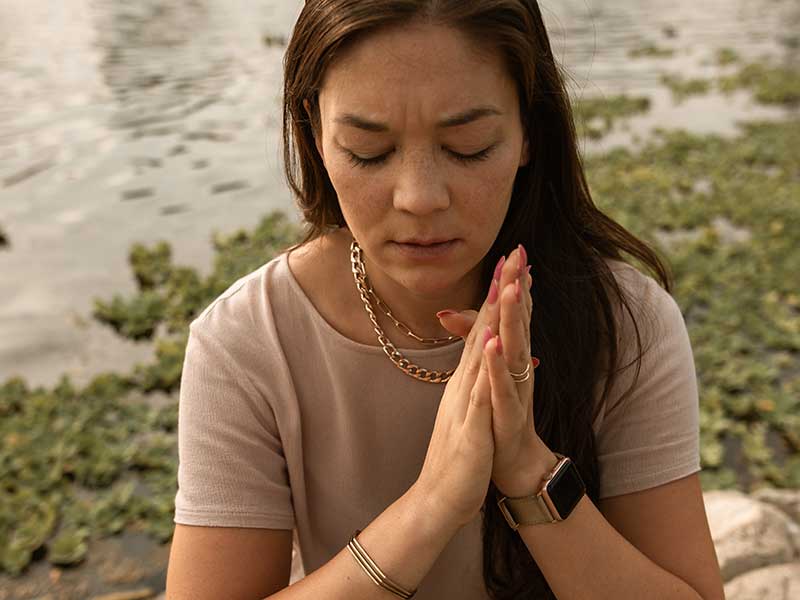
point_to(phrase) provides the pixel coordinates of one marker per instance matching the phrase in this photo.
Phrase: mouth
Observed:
(421, 242)
(426, 250)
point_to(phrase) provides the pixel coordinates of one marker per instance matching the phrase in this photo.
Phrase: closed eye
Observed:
(377, 160)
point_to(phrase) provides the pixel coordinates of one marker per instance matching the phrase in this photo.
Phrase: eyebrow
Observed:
(460, 119)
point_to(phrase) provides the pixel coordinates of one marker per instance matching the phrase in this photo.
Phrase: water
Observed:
(123, 122)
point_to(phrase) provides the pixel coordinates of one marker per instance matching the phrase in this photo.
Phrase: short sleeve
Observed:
(650, 435)
(232, 470)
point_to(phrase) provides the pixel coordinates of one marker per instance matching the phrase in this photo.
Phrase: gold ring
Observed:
(524, 376)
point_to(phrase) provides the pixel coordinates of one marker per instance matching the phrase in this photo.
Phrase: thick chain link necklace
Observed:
(365, 289)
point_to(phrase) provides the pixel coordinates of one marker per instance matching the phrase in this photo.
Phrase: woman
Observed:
(348, 390)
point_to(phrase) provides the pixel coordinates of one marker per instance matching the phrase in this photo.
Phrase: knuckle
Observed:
(476, 398)
(473, 369)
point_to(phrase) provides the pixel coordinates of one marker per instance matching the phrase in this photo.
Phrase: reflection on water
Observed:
(157, 119)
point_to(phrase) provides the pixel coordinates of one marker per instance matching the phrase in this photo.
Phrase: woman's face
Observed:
(400, 170)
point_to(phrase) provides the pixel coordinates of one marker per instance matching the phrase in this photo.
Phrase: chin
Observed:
(420, 280)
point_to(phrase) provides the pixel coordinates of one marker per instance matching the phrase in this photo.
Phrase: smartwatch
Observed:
(559, 493)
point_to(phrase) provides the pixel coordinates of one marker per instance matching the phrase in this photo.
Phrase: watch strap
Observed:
(533, 509)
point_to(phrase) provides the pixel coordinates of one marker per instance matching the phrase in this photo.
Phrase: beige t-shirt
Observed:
(284, 423)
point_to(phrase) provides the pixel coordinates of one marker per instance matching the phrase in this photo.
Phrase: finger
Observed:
(489, 315)
(515, 333)
(505, 271)
(478, 419)
(527, 300)
(508, 413)
(459, 323)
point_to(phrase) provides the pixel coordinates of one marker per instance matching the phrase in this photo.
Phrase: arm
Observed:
(584, 557)
(404, 541)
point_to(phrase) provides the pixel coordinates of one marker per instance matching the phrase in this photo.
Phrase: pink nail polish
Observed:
(523, 258)
(499, 347)
(487, 335)
(499, 268)
(493, 292)
(444, 313)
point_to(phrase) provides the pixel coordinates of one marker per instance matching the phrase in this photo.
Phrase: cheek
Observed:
(487, 193)
(359, 195)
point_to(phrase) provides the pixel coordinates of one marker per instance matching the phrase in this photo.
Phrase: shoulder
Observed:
(245, 307)
(654, 349)
(647, 307)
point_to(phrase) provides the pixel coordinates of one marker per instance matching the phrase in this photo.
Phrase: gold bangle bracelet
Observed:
(370, 568)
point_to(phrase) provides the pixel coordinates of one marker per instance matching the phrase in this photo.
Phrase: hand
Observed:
(458, 464)
(520, 455)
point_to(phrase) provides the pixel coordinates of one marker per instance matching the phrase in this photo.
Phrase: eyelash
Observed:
(371, 162)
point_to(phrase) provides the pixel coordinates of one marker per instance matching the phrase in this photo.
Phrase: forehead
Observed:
(429, 68)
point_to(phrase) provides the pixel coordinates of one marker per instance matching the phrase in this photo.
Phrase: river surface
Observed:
(125, 122)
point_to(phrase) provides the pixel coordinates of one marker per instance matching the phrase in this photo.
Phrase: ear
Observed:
(317, 142)
(524, 155)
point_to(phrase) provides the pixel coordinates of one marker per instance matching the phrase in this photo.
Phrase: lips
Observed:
(421, 242)
(419, 252)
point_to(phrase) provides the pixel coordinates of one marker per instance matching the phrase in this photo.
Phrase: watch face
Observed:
(566, 489)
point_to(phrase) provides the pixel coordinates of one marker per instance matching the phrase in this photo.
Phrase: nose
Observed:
(421, 186)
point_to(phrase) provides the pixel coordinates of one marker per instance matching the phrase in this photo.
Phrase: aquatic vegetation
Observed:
(682, 88)
(650, 50)
(80, 464)
(173, 295)
(596, 116)
(727, 56)
(771, 84)
(740, 299)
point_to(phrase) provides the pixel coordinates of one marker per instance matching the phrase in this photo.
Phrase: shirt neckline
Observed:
(454, 348)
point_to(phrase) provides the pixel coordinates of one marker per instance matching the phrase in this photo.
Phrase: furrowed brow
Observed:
(460, 119)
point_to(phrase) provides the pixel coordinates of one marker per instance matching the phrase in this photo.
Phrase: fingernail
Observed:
(444, 313)
(499, 268)
(493, 292)
(523, 258)
(499, 346)
(535, 362)
(517, 291)
(487, 335)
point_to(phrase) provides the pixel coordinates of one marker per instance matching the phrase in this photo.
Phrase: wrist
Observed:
(527, 479)
(431, 514)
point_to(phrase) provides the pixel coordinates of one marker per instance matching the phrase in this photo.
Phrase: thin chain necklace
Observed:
(365, 289)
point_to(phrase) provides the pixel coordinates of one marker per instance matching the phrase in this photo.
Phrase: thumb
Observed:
(459, 323)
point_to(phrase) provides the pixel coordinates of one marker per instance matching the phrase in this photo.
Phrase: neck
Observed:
(417, 308)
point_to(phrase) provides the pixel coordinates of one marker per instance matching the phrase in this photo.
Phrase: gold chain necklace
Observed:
(402, 363)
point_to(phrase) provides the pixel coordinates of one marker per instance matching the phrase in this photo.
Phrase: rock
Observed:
(777, 582)
(786, 500)
(748, 534)
(297, 571)
(4, 243)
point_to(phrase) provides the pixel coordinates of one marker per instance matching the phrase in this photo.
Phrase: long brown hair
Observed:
(573, 330)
